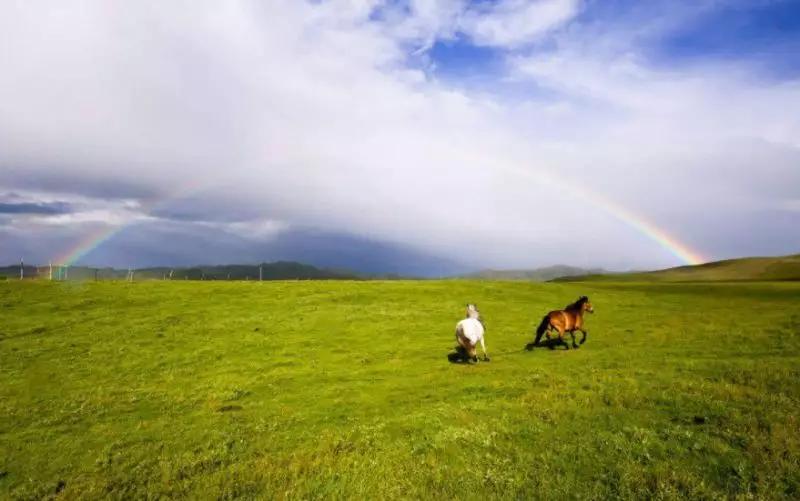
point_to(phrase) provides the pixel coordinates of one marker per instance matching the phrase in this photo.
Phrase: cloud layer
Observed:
(253, 120)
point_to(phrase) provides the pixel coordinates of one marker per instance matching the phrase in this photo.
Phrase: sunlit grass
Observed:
(343, 389)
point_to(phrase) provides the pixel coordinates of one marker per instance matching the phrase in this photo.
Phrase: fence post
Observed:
(260, 272)
(21, 269)
(51, 271)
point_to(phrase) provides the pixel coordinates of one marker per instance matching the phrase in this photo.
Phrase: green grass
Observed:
(343, 389)
(781, 268)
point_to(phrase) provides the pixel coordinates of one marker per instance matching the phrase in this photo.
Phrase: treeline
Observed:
(280, 270)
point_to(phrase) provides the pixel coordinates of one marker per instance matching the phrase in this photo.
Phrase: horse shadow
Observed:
(459, 356)
(546, 343)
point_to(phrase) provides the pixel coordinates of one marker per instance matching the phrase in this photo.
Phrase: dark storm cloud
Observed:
(35, 208)
(744, 233)
(181, 245)
(209, 209)
(70, 180)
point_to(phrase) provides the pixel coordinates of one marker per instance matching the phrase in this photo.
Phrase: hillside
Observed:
(782, 268)
(536, 275)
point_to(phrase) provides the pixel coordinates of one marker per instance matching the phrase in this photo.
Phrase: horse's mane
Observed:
(577, 304)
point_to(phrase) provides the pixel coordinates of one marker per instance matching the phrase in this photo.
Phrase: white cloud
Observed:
(423, 22)
(260, 229)
(511, 23)
(308, 115)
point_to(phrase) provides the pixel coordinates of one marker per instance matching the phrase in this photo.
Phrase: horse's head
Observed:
(585, 304)
(472, 311)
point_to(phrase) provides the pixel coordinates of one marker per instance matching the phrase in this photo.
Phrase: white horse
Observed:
(469, 332)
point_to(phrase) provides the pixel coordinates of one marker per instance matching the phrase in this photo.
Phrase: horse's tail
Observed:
(542, 328)
(460, 334)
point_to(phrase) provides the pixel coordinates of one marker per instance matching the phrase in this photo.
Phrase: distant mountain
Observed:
(536, 274)
(141, 246)
(782, 268)
(280, 270)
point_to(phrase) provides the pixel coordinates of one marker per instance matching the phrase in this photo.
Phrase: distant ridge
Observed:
(781, 268)
(535, 275)
(279, 270)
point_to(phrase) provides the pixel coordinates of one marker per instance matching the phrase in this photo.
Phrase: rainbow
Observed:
(87, 244)
(651, 231)
(637, 222)
(98, 237)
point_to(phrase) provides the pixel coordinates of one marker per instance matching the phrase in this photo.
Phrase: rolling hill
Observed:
(535, 275)
(781, 268)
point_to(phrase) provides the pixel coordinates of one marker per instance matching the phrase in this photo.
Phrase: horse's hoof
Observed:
(575, 346)
(486, 359)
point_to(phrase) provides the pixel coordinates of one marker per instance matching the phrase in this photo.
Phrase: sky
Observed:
(425, 137)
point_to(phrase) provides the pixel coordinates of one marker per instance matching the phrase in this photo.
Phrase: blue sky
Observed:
(459, 59)
(764, 33)
(761, 32)
(452, 133)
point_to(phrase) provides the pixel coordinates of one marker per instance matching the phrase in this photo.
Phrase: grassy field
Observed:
(343, 389)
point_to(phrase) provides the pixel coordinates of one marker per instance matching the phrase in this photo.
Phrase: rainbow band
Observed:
(654, 233)
(638, 223)
(87, 244)
(96, 238)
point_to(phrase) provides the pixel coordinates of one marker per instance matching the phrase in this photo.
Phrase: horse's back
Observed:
(470, 328)
(564, 319)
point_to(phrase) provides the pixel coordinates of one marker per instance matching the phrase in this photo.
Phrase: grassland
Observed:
(343, 389)
(780, 268)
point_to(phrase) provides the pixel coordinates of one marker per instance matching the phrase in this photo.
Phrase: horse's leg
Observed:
(561, 338)
(583, 339)
(463, 346)
(483, 347)
(572, 333)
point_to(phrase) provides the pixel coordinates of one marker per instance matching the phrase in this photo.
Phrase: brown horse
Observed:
(570, 319)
